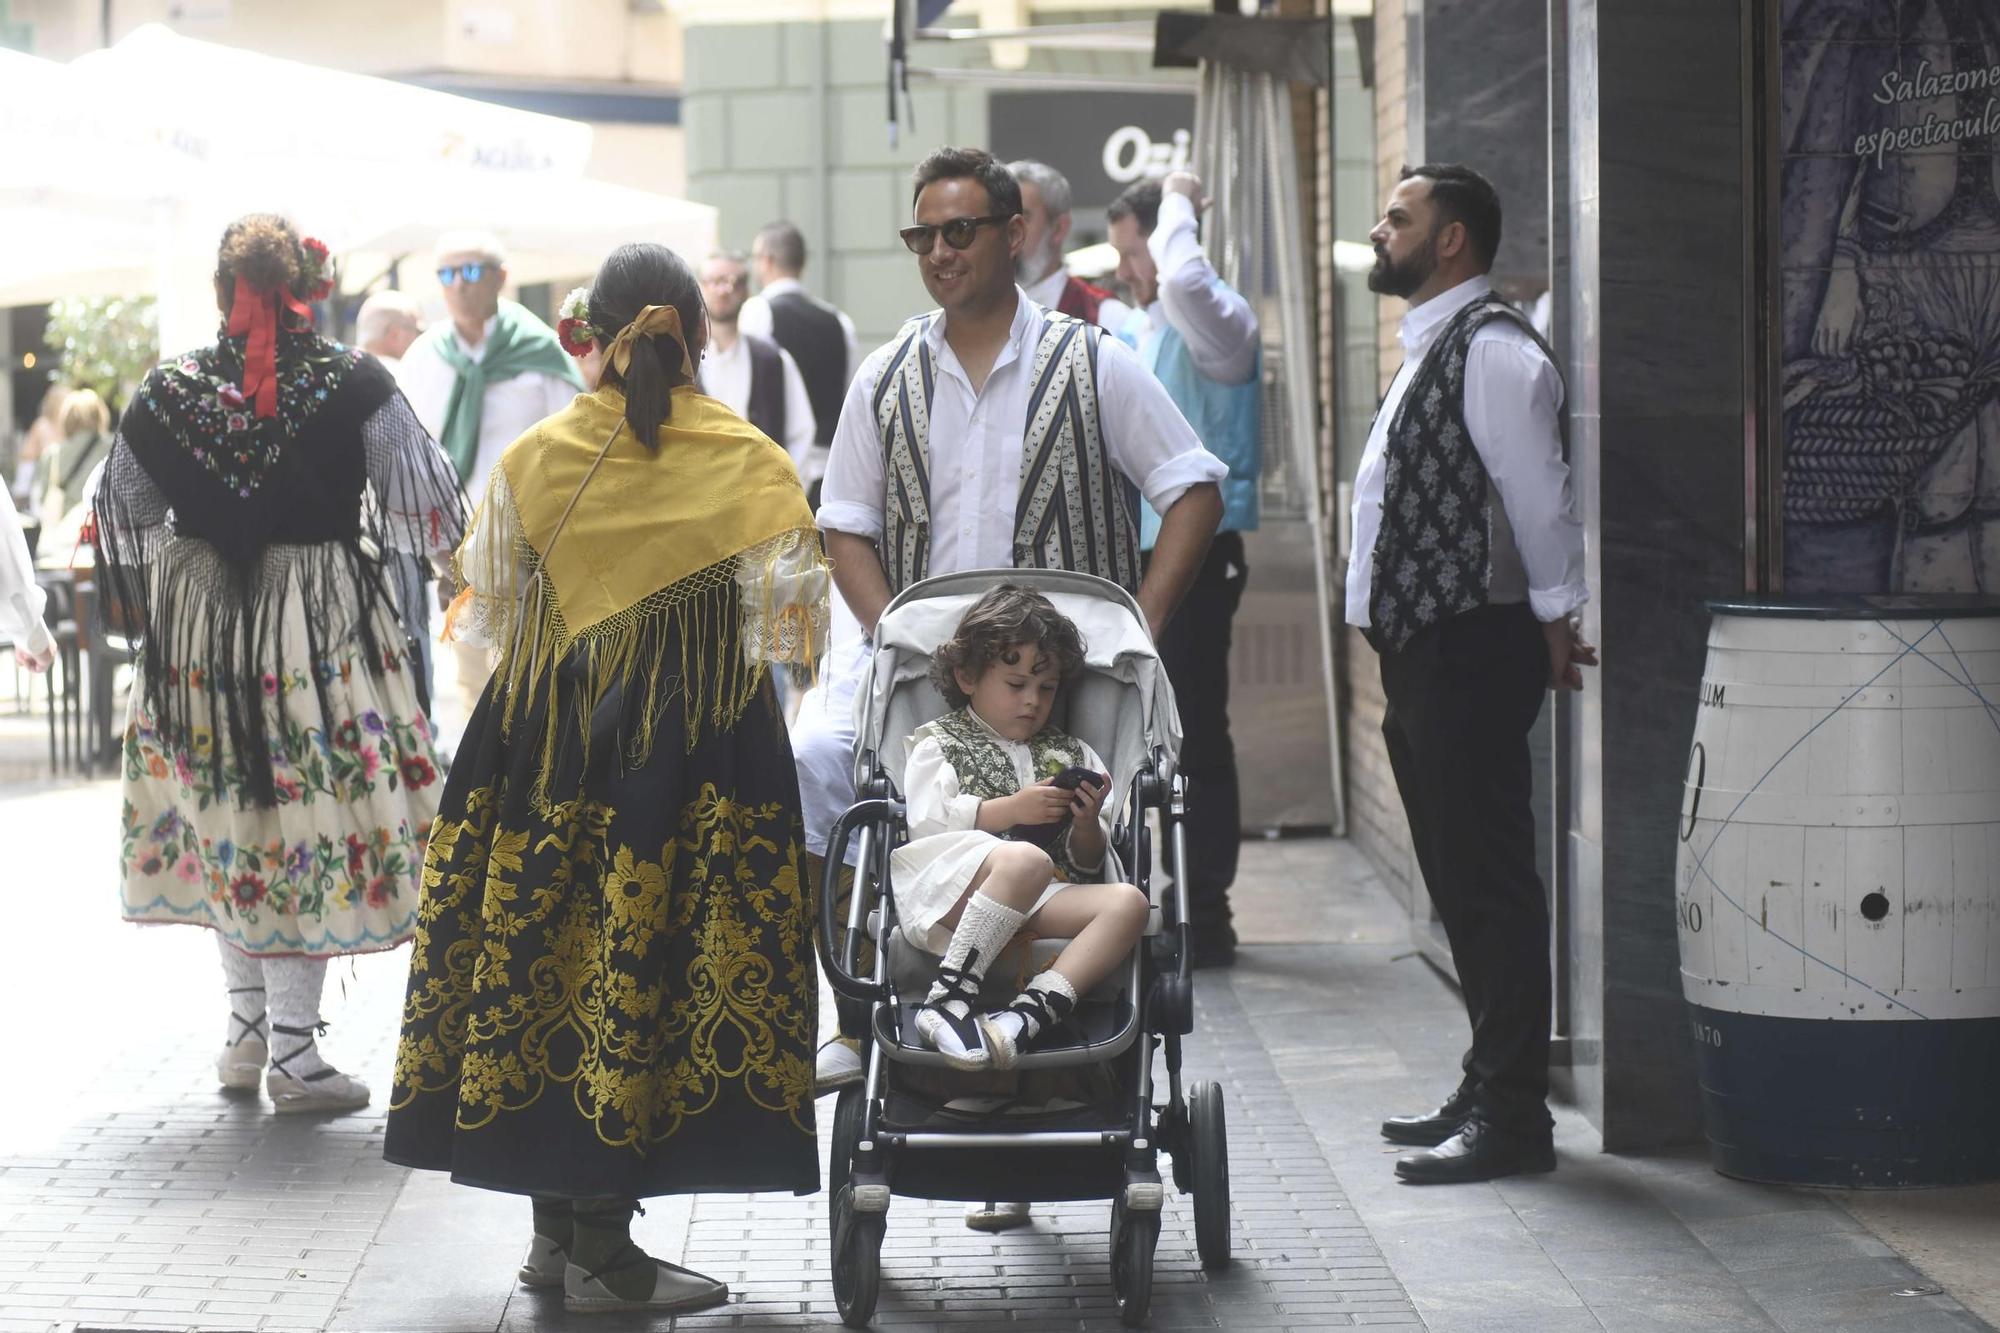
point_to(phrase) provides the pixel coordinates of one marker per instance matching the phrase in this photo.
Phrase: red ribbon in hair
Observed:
(253, 316)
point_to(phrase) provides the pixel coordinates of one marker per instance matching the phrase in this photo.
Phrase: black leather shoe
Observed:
(1427, 1131)
(1478, 1151)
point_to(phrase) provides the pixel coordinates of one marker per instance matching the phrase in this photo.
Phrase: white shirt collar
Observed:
(1049, 291)
(485, 338)
(716, 353)
(1027, 325)
(779, 286)
(1424, 321)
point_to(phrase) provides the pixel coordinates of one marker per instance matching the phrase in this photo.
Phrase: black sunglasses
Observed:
(471, 271)
(958, 233)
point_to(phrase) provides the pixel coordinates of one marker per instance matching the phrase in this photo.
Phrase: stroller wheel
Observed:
(857, 1259)
(846, 1135)
(1133, 1238)
(1209, 1136)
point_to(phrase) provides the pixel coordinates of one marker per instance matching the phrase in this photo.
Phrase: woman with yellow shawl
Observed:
(612, 994)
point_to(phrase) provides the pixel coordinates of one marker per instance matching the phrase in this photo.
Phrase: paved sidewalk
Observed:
(133, 1194)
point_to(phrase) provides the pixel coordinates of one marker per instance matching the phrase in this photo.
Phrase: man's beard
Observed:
(1031, 268)
(1405, 279)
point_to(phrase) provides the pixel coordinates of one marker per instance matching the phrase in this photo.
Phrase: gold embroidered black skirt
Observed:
(615, 998)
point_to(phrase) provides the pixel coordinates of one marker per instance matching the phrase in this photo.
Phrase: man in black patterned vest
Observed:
(1466, 576)
(990, 433)
(816, 335)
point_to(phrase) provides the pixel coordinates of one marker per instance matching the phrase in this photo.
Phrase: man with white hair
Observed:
(477, 382)
(388, 323)
(1045, 205)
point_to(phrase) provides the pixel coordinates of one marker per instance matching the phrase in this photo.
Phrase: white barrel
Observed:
(1838, 889)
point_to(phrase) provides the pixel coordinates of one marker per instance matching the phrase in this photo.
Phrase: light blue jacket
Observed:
(1228, 420)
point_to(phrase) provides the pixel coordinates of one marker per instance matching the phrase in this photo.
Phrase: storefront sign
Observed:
(1102, 142)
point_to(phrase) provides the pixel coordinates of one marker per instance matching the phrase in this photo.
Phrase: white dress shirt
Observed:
(511, 406)
(977, 444)
(1512, 398)
(21, 598)
(755, 317)
(1217, 324)
(1112, 313)
(725, 376)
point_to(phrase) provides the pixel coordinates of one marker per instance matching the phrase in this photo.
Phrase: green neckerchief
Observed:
(519, 343)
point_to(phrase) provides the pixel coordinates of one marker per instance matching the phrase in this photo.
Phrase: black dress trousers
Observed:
(1462, 697)
(1195, 650)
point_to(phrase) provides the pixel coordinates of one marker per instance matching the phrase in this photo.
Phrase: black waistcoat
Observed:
(766, 409)
(811, 331)
(1433, 552)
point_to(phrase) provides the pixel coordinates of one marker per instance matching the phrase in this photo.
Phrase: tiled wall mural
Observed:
(1890, 205)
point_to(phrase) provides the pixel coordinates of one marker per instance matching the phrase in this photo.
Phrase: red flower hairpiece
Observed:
(316, 273)
(575, 336)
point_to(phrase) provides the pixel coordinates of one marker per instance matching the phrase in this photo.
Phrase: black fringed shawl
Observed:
(281, 506)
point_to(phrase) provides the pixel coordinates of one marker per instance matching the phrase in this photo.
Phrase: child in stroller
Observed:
(1007, 833)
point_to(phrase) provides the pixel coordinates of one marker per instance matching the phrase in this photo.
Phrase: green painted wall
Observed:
(791, 121)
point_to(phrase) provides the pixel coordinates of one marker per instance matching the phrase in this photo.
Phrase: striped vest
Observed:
(1074, 510)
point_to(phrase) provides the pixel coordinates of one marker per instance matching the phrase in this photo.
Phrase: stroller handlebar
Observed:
(837, 975)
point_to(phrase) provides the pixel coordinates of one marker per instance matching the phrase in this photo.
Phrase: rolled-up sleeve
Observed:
(1512, 400)
(851, 498)
(1148, 438)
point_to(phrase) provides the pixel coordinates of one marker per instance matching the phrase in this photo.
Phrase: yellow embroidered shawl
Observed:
(622, 555)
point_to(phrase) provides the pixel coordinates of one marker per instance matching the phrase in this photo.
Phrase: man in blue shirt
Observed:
(1199, 336)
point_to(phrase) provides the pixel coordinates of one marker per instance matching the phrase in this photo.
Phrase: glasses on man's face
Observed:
(469, 272)
(959, 233)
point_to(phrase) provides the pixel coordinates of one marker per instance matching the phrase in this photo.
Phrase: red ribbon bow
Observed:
(253, 316)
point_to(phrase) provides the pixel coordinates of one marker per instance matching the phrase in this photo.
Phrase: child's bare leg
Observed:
(1013, 875)
(983, 921)
(1104, 921)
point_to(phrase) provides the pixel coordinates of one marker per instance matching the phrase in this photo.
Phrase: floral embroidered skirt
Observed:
(333, 867)
(617, 998)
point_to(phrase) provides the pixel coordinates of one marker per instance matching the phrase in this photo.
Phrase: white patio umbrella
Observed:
(235, 107)
(81, 192)
(182, 136)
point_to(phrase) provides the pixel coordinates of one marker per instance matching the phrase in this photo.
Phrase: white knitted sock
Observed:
(984, 928)
(1048, 991)
(295, 985)
(244, 977)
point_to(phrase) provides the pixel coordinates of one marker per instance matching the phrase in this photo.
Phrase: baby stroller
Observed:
(1075, 1119)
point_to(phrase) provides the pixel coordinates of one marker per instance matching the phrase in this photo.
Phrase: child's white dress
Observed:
(955, 763)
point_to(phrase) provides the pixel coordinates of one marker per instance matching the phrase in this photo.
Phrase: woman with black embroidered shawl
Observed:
(279, 777)
(613, 991)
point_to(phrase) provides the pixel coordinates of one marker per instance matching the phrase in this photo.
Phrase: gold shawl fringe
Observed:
(683, 644)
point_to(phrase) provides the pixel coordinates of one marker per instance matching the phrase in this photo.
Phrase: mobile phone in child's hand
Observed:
(1075, 776)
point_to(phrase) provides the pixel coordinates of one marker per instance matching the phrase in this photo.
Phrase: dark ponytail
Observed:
(632, 278)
